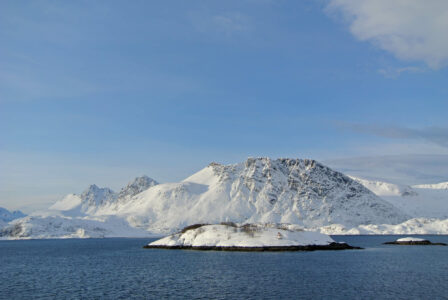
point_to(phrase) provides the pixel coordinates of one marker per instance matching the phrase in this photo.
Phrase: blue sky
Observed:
(103, 91)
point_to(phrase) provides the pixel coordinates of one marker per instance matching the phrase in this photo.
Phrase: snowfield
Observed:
(412, 226)
(250, 236)
(427, 201)
(260, 190)
(58, 226)
(437, 186)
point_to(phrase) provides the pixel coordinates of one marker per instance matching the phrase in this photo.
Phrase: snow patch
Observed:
(412, 226)
(426, 201)
(69, 202)
(410, 239)
(437, 186)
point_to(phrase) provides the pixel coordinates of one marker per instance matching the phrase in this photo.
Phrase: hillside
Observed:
(7, 216)
(427, 201)
(259, 190)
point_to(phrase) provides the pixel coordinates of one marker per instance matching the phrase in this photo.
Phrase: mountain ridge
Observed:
(8, 216)
(257, 190)
(300, 191)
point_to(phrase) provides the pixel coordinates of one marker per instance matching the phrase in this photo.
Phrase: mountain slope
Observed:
(95, 199)
(264, 190)
(7, 216)
(437, 186)
(427, 201)
(59, 226)
(260, 190)
(79, 216)
(381, 188)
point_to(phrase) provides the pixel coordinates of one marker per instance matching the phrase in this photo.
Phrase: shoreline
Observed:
(332, 246)
(415, 243)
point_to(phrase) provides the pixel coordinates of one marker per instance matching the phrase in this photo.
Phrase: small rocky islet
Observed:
(413, 241)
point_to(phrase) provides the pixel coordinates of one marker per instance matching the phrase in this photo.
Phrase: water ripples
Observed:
(121, 269)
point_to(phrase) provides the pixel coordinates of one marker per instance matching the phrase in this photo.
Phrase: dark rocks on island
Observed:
(410, 241)
(332, 246)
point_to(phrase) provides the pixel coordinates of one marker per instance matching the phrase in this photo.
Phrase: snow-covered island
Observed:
(248, 237)
(413, 241)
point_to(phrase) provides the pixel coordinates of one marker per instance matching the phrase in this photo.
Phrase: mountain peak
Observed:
(284, 161)
(262, 189)
(91, 188)
(213, 163)
(7, 216)
(136, 186)
(96, 196)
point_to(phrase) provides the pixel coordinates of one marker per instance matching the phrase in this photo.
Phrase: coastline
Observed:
(331, 246)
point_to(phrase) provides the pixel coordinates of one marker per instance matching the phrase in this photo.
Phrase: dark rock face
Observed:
(412, 243)
(332, 246)
(136, 186)
(94, 196)
(13, 230)
(318, 195)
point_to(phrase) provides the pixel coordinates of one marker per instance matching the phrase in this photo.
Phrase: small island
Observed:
(413, 241)
(248, 237)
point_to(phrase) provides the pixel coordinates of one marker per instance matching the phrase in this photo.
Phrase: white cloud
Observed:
(413, 30)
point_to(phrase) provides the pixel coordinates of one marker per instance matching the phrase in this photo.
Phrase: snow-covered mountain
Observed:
(7, 216)
(295, 191)
(135, 187)
(298, 191)
(95, 198)
(427, 201)
(382, 188)
(437, 186)
(53, 225)
(411, 226)
(76, 215)
(259, 190)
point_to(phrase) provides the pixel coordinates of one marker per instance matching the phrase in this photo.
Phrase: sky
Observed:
(104, 91)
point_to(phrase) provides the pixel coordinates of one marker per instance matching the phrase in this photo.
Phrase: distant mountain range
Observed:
(8, 216)
(259, 190)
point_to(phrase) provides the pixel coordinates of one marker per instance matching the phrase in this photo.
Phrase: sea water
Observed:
(120, 268)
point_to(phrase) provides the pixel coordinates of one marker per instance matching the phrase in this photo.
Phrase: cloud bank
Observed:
(412, 30)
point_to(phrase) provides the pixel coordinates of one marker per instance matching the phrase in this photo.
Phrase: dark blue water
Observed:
(120, 268)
